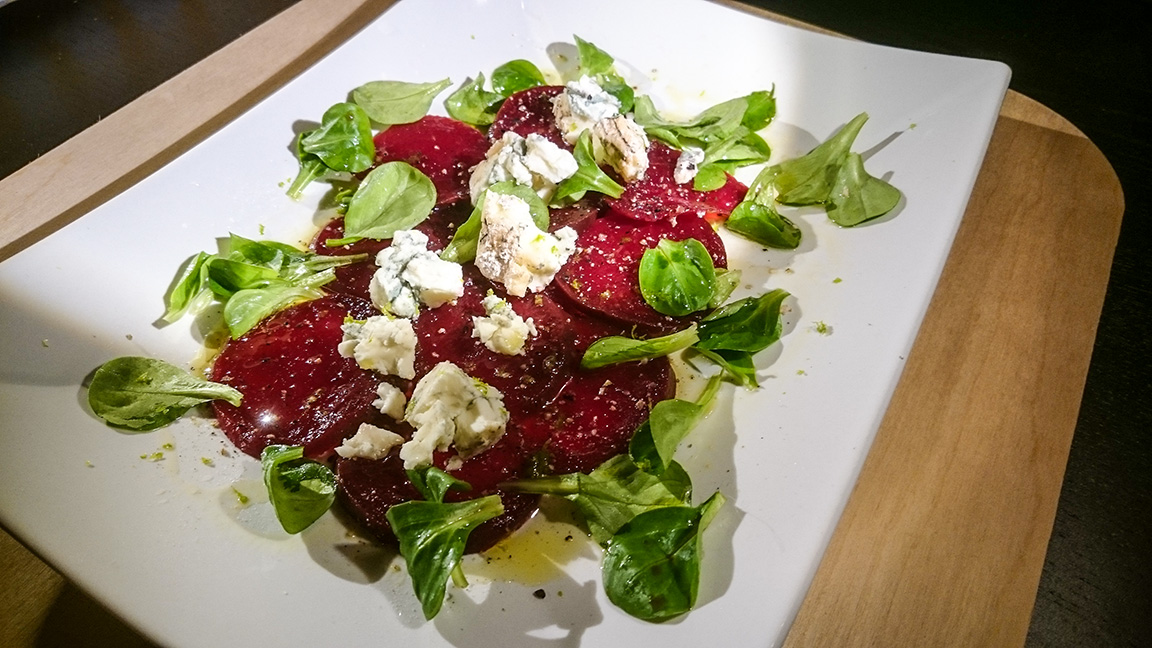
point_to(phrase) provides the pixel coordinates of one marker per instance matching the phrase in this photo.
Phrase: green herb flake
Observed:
(241, 498)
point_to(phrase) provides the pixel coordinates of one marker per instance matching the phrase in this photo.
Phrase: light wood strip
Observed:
(943, 540)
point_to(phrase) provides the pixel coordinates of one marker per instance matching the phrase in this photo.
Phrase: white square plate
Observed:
(166, 543)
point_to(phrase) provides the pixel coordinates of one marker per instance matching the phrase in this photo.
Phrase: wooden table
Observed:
(944, 537)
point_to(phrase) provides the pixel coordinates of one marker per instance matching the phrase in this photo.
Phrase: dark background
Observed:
(64, 64)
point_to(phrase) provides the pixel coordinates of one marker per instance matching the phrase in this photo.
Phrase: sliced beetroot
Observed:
(354, 279)
(368, 488)
(596, 414)
(529, 111)
(528, 381)
(297, 389)
(578, 215)
(444, 149)
(659, 196)
(603, 274)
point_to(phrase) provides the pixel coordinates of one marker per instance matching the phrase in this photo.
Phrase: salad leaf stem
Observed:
(616, 349)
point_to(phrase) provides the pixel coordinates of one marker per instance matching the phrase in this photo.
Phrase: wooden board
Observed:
(943, 540)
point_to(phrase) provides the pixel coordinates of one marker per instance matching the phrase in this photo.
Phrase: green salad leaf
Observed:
(433, 534)
(725, 132)
(433, 484)
(472, 104)
(397, 102)
(656, 440)
(342, 143)
(600, 65)
(616, 349)
(514, 76)
(737, 366)
(677, 277)
(394, 196)
(300, 489)
(190, 289)
(144, 393)
(247, 308)
(857, 196)
(808, 180)
(614, 493)
(726, 282)
(588, 177)
(764, 225)
(751, 324)
(651, 566)
(227, 276)
(253, 279)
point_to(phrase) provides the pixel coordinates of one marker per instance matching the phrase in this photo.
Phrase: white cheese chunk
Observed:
(531, 161)
(502, 330)
(580, 105)
(391, 400)
(516, 253)
(688, 164)
(622, 144)
(381, 343)
(450, 408)
(409, 275)
(369, 442)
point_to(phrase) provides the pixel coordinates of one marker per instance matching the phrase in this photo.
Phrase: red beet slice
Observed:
(529, 111)
(297, 389)
(444, 149)
(368, 488)
(578, 215)
(658, 196)
(527, 381)
(603, 274)
(596, 414)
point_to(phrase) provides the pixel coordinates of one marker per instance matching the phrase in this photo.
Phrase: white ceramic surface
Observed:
(166, 544)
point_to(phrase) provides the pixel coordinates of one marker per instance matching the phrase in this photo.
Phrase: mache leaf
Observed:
(145, 393)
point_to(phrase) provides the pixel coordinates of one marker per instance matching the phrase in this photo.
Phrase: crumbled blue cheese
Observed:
(502, 330)
(409, 275)
(531, 161)
(688, 164)
(516, 253)
(381, 343)
(580, 105)
(390, 400)
(622, 144)
(369, 442)
(450, 408)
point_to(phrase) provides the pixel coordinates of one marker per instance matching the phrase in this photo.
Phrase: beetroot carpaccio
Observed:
(299, 391)
(487, 319)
